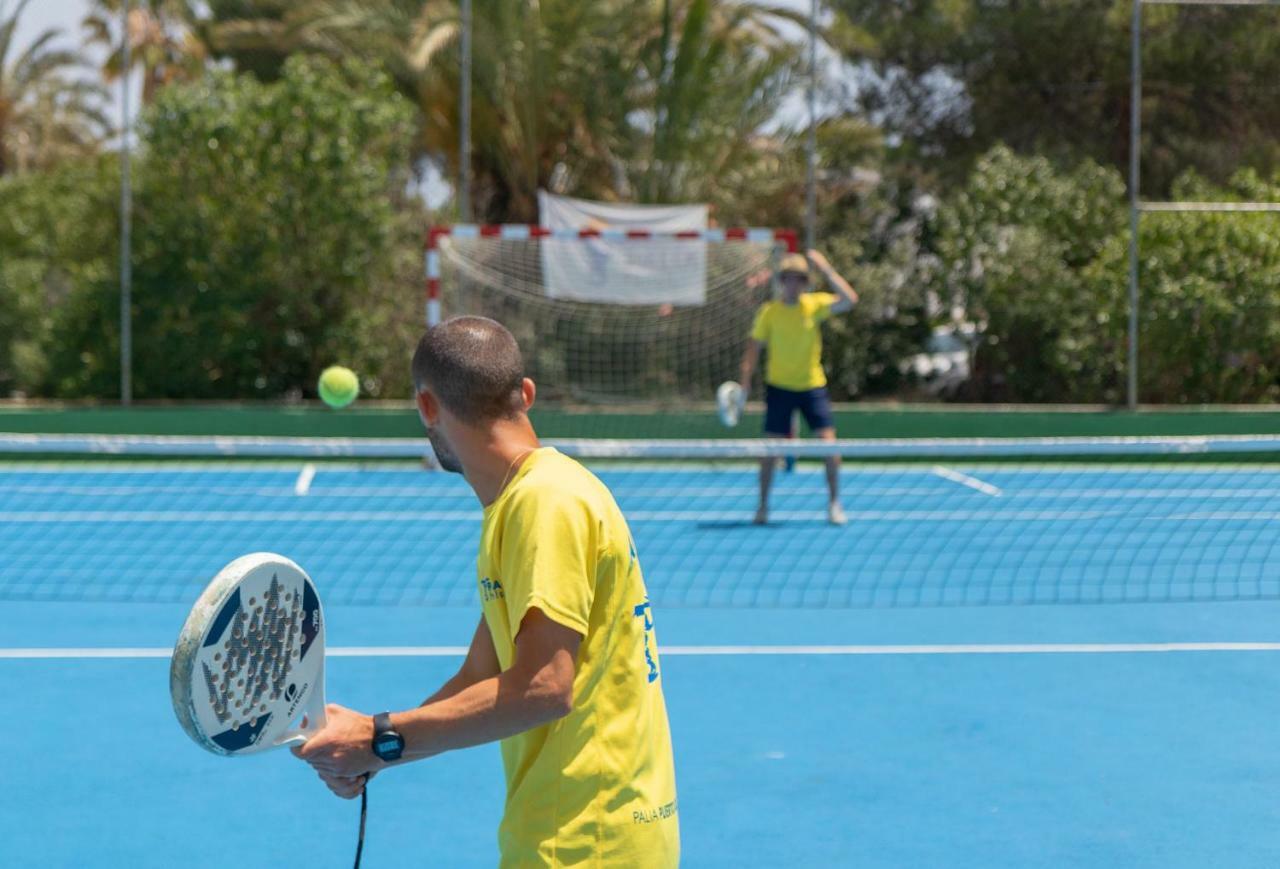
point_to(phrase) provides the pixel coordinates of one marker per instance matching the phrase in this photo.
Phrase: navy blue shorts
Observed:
(780, 404)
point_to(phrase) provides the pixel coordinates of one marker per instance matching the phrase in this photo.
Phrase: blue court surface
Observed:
(990, 666)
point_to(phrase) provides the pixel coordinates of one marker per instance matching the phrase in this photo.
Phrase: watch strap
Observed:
(382, 723)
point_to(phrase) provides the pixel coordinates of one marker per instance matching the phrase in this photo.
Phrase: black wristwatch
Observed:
(387, 744)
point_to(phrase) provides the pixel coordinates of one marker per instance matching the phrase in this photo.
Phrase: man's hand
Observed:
(343, 748)
(849, 297)
(347, 788)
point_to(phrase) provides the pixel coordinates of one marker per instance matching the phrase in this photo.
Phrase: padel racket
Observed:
(730, 399)
(247, 673)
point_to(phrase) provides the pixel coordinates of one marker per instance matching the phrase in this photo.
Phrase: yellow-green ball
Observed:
(338, 386)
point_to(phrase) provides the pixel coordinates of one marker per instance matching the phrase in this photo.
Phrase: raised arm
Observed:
(848, 297)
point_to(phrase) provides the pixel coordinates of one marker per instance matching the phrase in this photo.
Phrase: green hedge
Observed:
(853, 422)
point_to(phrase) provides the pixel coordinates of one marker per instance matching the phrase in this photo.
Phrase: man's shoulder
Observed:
(557, 483)
(556, 470)
(564, 499)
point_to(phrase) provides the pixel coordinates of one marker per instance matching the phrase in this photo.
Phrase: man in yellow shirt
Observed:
(563, 668)
(791, 329)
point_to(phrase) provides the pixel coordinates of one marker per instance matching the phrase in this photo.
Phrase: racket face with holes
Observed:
(250, 659)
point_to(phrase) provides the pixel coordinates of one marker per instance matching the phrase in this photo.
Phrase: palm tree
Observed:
(649, 99)
(626, 97)
(714, 74)
(525, 58)
(47, 113)
(165, 40)
(259, 35)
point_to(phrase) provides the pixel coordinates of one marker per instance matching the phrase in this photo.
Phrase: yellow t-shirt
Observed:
(793, 336)
(597, 787)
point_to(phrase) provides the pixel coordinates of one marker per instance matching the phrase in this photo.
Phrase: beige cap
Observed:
(794, 262)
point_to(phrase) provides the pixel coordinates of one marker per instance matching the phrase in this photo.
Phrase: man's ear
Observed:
(428, 407)
(528, 391)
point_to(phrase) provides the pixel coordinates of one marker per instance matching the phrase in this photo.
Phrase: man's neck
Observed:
(496, 455)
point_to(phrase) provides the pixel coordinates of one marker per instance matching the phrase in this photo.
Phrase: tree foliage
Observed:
(264, 220)
(953, 78)
(970, 174)
(1015, 242)
(1209, 324)
(58, 235)
(1038, 257)
(608, 99)
(163, 38)
(47, 113)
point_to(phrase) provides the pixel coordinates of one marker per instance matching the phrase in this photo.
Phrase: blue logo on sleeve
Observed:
(490, 589)
(644, 611)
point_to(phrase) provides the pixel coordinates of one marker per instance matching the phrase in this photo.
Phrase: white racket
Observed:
(249, 662)
(730, 399)
(247, 673)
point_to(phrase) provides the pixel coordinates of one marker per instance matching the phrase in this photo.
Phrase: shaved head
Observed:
(473, 366)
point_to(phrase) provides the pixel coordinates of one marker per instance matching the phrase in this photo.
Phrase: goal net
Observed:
(611, 316)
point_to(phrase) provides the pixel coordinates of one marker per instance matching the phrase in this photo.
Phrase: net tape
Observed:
(197, 446)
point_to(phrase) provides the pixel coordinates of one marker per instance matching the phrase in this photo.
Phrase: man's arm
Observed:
(748, 366)
(535, 690)
(481, 663)
(848, 298)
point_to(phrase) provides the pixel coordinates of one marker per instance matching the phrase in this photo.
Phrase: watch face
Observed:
(388, 746)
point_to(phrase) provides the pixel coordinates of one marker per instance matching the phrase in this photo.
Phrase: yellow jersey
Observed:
(793, 338)
(597, 787)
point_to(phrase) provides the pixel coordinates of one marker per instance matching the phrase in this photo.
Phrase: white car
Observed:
(944, 364)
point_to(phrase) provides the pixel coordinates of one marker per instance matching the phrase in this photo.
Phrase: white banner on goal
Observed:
(608, 269)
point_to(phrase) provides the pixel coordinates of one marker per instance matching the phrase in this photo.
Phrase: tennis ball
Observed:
(338, 386)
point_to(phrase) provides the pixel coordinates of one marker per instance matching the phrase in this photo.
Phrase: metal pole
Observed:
(464, 119)
(811, 150)
(126, 223)
(1135, 147)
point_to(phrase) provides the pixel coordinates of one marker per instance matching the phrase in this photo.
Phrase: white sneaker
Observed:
(835, 514)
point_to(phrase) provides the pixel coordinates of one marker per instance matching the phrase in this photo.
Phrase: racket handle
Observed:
(364, 813)
(313, 719)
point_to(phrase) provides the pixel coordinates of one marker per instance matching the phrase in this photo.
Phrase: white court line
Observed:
(440, 492)
(977, 649)
(1147, 494)
(966, 480)
(303, 484)
(709, 651)
(1014, 465)
(52, 517)
(435, 492)
(80, 470)
(54, 653)
(1236, 516)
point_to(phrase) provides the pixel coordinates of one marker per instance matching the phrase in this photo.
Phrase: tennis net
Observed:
(931, 522)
